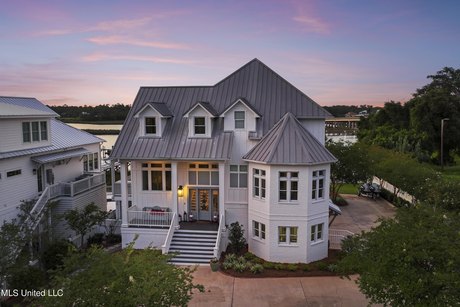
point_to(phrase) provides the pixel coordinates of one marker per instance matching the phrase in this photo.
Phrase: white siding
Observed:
(11, 134)
(145, 237)
(316, 127)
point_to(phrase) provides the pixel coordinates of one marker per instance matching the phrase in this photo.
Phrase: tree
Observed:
(82, 221)
(352, 165)
(236, 237)
(127, 278)
(412, 260)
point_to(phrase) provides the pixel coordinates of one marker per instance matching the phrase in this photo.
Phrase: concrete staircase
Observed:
(192, 246)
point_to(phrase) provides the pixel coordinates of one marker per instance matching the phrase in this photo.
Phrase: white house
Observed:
(249, 149)
(43, 160)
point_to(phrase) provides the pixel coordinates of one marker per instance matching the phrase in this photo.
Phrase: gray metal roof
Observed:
(56, 156)
(288, 142)
(162, 108)
(250, 106)
(63, 137)
(266, 91)
(24, 107)
(205, 105)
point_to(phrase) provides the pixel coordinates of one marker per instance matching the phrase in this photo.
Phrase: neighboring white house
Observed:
(249, 149)
(43, 160)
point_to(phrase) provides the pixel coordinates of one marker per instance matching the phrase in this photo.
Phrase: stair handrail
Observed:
(217, 250)
(165, 247)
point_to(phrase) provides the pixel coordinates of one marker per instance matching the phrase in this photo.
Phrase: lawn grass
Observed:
(348, 189)
(450, 172)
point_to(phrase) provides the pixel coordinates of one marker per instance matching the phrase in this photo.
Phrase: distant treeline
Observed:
(104, 112)
(342, 110)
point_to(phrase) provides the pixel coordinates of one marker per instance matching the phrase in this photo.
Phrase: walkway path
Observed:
(222, 290)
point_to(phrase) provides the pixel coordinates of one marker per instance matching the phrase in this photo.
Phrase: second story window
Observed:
(199, 125)
(34, 131)
(239, 119)
(317, 185)
(288, 186)
(238, 176)
(150, 125)
(259, 183)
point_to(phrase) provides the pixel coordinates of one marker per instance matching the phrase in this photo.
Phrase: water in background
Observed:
(109, 138)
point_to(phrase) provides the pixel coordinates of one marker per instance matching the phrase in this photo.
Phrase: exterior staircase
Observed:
(192, 246)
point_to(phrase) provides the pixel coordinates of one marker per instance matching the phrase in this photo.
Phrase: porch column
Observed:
(124, 193)
(221, 189)
(174, 187)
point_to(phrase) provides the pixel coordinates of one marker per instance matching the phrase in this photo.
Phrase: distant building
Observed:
(249, 149)
(44, 160)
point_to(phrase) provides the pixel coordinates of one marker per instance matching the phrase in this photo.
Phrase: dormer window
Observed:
(150, 125)
(200, 125)
(34, 131)
(239, 119)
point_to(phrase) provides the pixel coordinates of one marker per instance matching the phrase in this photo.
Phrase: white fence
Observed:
(149, 218)
(389, 187)
(336, 236)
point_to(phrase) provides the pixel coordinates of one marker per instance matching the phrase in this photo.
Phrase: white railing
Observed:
(336, 236)
(165, 247)
(149, 218)
(217, 250)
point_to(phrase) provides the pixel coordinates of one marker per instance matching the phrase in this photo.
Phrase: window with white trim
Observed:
(287, 235)
(13, 173)
(203, 174)
(238, 176)
(317, 232)
(317, 185)
(34, 131)
(150, 126)
(199, 125)
(91, 162)
(259, 183)
(239, 119)
(156, 177)
(288, 186)
(258, 230)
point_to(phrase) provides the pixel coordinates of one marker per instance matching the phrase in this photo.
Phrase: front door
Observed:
(204, 203)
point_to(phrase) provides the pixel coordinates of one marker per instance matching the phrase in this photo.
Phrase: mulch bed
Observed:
(334, 256)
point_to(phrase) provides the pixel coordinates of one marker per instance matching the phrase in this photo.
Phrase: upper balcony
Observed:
(81, 184)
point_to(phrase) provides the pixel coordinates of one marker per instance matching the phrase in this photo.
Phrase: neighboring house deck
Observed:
(249, 149)
(43, 160)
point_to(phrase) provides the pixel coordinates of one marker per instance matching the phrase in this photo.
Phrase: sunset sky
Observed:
(337, 52)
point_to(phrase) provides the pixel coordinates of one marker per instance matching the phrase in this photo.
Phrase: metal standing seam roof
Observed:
(63, 137)
(266, 91)
(160, 107)
(56, 156)
(23, 106)
(205, 105)
(288, 142)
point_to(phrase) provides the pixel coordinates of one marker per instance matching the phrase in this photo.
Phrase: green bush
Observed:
(228, 264)
(113, 238)
(52, 257)
(256, 268)
(230, 257)
(332, 267)
(240, 266)
(279, 266)
(321, 266)
(250, 256)
(291, 267)
(96, 239)
(27, 278)
(340, 201)
(236, 237)
(268, 265)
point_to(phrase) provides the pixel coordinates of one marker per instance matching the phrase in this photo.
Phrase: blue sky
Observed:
(337, 52)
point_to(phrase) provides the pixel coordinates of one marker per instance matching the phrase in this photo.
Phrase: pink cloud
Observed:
(95, 57)
(114, 40)
(312, 24)
(121, 24)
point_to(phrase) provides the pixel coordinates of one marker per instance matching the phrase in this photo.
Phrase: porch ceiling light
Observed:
(180, 191)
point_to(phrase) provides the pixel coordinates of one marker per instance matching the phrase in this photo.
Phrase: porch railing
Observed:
(217, 249)
(140, 218)
(165, 247)
(336, 236)
(116, 190)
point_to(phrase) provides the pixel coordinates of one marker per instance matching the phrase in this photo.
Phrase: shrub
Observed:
(27, 278)
(332, 267)
(292, 267)
(305, 267)
(340, 201)
(256, 268)
(113, 238)
(96, 239)
(239, 266)
(228, 264)
(279, 266)
(321, 266)
(236, 237)
(230, 257)
(52, 257)
(268, 265)
(250, 256)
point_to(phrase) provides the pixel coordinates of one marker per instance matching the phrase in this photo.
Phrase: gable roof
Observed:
(15, 107)
(269, 94)
(288, 142)
(244, 102)
(205, 105)
(160, 107)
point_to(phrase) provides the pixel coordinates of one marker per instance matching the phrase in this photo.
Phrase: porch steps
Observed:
(192, 246)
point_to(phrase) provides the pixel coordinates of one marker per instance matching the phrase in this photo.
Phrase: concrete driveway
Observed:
(362, 213)
(222, 290)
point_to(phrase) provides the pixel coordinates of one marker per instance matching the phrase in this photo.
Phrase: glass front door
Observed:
(204, 203)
